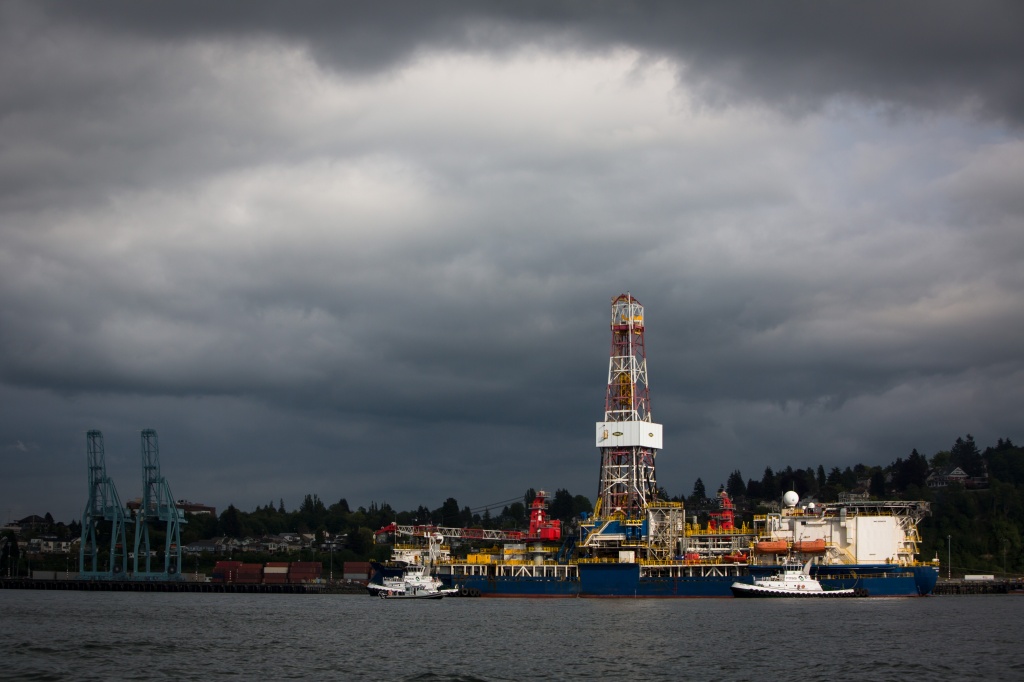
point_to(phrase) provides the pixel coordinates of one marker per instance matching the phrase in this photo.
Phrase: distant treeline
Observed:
(978, 523)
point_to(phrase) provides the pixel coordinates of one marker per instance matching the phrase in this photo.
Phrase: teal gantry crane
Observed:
(157, 508)
(103, 506)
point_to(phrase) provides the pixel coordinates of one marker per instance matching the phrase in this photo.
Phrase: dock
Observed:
(178, 586)
(1001, 586)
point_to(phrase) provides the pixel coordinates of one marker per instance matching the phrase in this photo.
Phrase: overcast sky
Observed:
(369, 253)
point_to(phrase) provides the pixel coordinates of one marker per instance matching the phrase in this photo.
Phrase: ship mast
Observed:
(627, 438)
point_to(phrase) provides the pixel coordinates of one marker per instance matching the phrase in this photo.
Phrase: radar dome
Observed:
(790, 499)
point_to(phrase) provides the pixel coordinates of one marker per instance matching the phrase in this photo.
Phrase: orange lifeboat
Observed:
(810, 546)
(771, 547)
(735, 558)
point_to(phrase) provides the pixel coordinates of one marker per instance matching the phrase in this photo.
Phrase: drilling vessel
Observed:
(636, 544)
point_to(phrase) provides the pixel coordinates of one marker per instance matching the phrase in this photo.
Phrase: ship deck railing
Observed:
(696, 529)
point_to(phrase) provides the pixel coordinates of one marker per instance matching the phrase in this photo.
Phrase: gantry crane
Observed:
(104, 507)
(157, 508)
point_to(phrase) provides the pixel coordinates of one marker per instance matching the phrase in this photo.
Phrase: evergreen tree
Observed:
(561, 505)
(877, 488)
(913, 471)
(449, 513)
(769, 486)
(735, 487)
(231, 522)
(754, 489)
(529, 497)
(965, 454)
(699, 494)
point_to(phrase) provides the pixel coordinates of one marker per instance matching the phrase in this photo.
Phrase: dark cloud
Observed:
(368, 253)
(796, 55)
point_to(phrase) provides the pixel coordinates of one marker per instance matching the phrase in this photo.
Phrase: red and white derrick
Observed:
(627, 438)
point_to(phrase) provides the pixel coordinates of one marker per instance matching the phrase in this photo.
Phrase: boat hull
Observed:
(757, 592)
(433, 595)
(518, 586)
(629, 580)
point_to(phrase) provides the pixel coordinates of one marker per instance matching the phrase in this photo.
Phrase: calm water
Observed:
(144, 636)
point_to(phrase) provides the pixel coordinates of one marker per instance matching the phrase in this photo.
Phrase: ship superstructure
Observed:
(844, 533)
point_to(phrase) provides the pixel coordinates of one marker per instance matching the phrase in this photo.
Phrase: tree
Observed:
(877, 488)
(699, 494)
(913, 471)
(231, 522)
(1006, 463)
(515, 515)
(449, 513)
(735, 487)
(755, 491)
(529, 497)
(560, 506)
(941, 461)
(581, 505)
(769, 486)
(965, 454)
(360, 540)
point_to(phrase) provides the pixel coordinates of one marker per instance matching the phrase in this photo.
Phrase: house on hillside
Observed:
(940, 478)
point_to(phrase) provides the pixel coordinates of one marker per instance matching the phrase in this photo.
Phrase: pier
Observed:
(177, 586)
(1003, 586)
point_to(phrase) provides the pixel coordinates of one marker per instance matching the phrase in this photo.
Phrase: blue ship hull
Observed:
(518, 587)
(625, 580)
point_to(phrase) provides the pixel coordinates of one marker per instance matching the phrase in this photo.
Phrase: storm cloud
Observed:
(369, 253)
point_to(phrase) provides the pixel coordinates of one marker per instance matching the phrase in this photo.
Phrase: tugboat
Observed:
(792, 581)
(414, 582)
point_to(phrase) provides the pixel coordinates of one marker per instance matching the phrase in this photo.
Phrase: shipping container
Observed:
(305, 571)
(356, 570)
(225, 571)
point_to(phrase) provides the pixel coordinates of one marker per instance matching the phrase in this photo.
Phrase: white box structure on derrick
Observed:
(628, 434)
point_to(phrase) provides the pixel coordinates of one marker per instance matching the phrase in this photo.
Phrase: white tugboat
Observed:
(404, 580)
(415, 582)
(792, 581)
